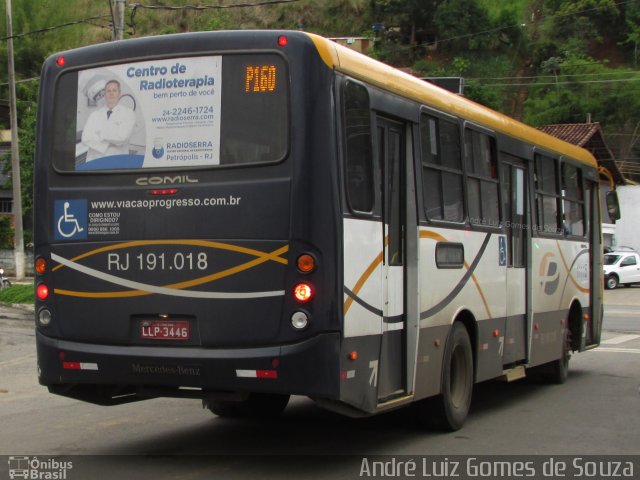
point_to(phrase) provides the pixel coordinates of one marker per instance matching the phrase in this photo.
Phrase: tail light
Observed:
(300, 320)
(42, 291)
(40, 266)
(44, 317)
(303, 292)
(306, 263)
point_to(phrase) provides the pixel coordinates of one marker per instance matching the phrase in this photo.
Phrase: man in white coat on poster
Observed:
(109, 128)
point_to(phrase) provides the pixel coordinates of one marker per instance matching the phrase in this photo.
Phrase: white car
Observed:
(621, 268)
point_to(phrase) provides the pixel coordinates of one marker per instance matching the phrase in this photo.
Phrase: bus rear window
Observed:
(204, 111)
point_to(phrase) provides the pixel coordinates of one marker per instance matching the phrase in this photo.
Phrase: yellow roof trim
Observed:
(388, 78)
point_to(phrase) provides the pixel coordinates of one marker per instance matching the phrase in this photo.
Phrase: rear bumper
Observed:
(96, 373)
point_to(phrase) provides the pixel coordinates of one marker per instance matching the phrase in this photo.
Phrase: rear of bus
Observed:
(188, 254)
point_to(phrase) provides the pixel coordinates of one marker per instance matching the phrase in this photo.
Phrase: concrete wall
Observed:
(628, 227)
(7, 261)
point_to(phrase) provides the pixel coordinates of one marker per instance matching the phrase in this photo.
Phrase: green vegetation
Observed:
(6, 233)
(18, 293)
(545, 62)
(542, 61)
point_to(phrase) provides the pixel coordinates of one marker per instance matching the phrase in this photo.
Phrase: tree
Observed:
(27, 94)
(632, 21)
(578, 24)
(585, 87)
(461, 23)
(409, 15)
(32, 15)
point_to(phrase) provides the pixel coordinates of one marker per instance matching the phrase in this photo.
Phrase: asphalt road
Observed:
(594, 413)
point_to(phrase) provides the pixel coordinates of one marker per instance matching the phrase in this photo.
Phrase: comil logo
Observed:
(38, 469)
(549, 275)
(168, 180)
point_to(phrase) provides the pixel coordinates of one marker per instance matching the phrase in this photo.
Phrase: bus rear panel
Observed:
(171, 269)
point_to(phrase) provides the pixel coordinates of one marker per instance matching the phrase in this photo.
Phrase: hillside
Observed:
(542, 61)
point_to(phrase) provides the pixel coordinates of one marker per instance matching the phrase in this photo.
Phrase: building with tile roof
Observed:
(590, 137)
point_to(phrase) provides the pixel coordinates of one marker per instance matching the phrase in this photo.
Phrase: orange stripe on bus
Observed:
(566, 267)
(265, 257)
(423, 234)
(198, 243)
(364, 277)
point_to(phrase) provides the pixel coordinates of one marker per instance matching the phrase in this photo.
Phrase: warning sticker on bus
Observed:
(160, 113)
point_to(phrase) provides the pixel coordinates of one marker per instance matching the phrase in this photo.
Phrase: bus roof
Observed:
(388, 78)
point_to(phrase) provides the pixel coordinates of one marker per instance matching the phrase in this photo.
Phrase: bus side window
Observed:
(359, 157)
(573, 200)
(441, 169)
(482, 179)
(547, 195)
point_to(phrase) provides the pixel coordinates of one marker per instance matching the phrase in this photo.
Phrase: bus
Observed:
(242, 216)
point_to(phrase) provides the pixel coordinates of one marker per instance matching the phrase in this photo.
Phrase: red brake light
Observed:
(303, 292)
(60, 61)
(282, 41)
(42, 291)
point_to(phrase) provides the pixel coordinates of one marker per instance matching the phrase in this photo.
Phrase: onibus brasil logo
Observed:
(36, 469)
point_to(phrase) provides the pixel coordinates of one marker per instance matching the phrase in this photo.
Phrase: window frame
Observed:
(482, 178)
(426, 115)
(578, 200)
(629, 257)
(541, 194)
(345, 144)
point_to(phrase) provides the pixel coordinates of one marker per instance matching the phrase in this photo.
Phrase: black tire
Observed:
(225, 408)
(560, 368)
(611, 282)
(555, 372)
(448, 411)
(257, 405)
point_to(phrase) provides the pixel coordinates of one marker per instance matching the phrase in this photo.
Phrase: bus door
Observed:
(392, 163)
(518, 233)
(594, 323)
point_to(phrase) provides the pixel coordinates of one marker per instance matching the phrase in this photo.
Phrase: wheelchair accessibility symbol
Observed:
(502, 250)
(70, 218)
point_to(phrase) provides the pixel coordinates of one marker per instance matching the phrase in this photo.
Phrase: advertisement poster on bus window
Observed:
(160, 113)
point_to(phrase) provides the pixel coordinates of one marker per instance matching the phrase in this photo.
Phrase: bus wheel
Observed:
(558, 371)
(449, 410)
(257, 405)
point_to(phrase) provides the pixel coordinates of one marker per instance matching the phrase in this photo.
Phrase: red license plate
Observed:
(165, 330)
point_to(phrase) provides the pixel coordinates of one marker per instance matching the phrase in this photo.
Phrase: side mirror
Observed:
(613, 206)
